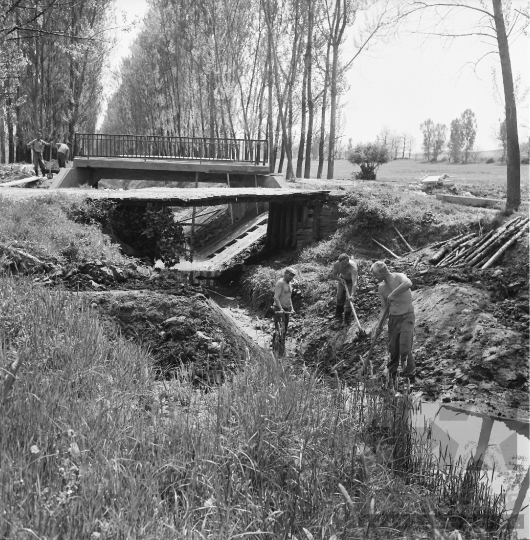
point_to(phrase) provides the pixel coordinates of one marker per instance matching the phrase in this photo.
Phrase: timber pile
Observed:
(480, 251)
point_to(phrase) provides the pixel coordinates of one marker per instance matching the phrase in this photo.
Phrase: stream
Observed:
(465, 433)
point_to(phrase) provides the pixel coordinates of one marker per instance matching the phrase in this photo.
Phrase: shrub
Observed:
(490, 160)
(525, 161)
(369, 157)
(91, 212)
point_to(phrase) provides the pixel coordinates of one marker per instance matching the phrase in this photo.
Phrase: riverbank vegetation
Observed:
(98, 449)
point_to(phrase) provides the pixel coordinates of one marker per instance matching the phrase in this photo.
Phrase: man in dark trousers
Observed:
(395, 294)
(38, 145)
(345, 272)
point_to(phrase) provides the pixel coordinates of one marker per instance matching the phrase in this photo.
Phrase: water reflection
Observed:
(495, 444)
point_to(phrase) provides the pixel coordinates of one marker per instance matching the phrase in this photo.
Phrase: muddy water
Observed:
(504, 445)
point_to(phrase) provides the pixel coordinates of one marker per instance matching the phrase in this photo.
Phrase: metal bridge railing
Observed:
(161, 147)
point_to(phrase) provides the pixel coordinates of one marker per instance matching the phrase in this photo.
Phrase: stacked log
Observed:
(479, 251)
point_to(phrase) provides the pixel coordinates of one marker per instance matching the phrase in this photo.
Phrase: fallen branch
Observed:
(22, 254)
(386, 249)
(494, 242)
(501, 251)
(401, 236)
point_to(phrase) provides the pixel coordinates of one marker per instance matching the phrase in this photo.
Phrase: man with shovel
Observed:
(396, 303)
(345, 272)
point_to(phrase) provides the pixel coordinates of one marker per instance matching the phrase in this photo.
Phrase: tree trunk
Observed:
(333, 113)
(323, 118)
(513, 172)
(303, 112)
(272, 156)
(310, 103)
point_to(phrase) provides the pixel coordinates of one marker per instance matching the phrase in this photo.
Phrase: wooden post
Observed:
(256, 186)
(193, 219)
(283, 223)
(305, 211)
(316, 220)
(276, 227)
(288, 226)
(294, 226)
(230, 204)
(268, 239)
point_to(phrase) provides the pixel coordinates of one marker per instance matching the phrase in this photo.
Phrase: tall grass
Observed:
(43, 228)
(91, 447)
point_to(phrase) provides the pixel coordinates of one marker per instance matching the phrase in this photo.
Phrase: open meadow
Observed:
(480, 179)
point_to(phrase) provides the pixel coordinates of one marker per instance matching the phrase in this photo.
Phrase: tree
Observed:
(438, 140)
(427, 128)
(490, 25)
(455, 141)
(468, 127)
(410, 145)
(369, 157)
(475, 155)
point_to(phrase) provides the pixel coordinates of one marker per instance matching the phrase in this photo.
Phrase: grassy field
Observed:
(488, 180)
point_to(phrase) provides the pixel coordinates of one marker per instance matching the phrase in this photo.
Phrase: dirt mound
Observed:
(464, 350)
(179, 328)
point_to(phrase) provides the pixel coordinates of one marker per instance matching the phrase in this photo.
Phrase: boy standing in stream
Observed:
(395, 294)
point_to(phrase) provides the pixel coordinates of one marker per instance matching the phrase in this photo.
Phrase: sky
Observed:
(404, 81)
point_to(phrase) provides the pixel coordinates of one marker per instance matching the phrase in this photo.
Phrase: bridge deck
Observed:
(205, 197)
(174, 165)
(178, 196)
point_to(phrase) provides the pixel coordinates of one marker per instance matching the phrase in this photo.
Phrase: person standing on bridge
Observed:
(282, 298)
(345, 272)
(62, 154)
(396, 302)
(37, 145)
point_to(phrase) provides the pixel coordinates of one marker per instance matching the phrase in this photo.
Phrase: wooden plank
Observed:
(240, 245)
(21, 181)
(217, 243)
(471, 201)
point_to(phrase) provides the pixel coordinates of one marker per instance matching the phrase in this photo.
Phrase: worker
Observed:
(62, 154)
(37, 145)
(395, 293)
(345, 272)
(282, 298)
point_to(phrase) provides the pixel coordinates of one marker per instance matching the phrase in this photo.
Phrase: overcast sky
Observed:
(403, 82)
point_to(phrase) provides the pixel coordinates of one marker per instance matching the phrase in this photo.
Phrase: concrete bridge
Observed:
(236, 162)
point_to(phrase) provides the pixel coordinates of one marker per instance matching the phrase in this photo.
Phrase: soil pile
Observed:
(180, 328)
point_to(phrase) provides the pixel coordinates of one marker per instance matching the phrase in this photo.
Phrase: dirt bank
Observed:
(180, 328)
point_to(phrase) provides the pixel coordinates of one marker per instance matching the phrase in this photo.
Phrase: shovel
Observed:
(362, 332)
(367, 361)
